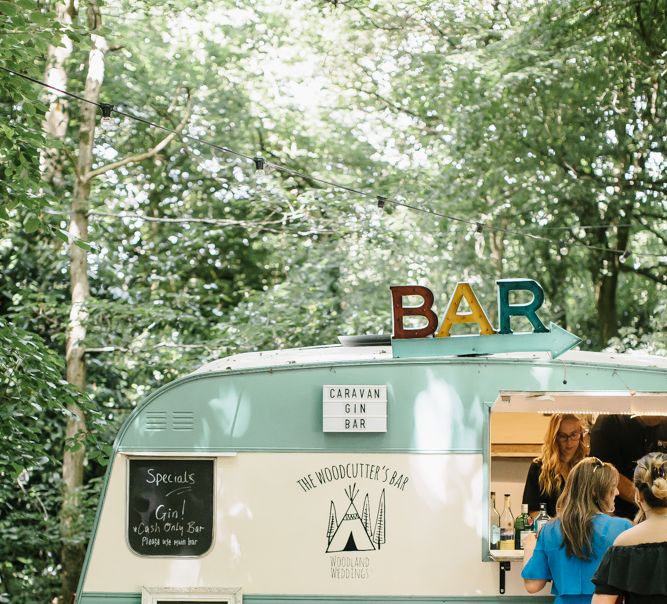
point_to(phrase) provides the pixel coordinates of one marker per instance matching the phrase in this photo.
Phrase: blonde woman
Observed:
(635, 568)
(568, 549)
(563, 447)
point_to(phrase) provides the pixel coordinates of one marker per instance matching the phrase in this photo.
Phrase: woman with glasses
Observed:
(568, 549)
(563, 447)
(635, 568)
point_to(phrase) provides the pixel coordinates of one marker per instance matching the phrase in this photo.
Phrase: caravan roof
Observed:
(337, 354)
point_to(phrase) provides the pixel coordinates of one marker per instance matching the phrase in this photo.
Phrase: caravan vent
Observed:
(156, 420)
(182, 420)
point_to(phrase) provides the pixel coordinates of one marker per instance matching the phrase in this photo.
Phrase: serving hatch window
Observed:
(519, 422)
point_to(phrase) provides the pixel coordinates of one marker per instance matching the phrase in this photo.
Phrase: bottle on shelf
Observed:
(522, 526)
(541, 519)
(494, 523)
(507, 525)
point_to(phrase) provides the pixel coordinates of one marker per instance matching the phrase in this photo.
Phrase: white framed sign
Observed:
(354, 408)
(194, 595)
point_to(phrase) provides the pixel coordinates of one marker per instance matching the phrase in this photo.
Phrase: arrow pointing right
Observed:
(556, 341)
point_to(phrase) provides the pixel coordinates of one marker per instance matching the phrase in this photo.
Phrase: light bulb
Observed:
(260, 168)
(478, 232)
(107, 122)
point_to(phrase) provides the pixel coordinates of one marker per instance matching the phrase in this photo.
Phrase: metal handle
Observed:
(504, 567)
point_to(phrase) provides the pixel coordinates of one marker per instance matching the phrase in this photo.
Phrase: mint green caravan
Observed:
(338, 474)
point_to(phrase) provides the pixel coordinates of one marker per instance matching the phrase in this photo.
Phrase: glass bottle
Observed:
(522, 526)
(494, 523)
(507, 525)
(541, 519)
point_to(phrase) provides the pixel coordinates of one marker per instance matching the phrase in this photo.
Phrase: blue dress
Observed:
(571, 576)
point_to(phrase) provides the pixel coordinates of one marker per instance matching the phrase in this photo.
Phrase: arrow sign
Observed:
(556, 341)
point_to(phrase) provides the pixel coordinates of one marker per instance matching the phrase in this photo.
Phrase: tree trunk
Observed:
(606, 287)
(605, 302)
(497, 244)
(57, 116)
(73, 549)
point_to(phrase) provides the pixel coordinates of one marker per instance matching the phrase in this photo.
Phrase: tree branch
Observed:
(133, 159)
(647, 272)
(155, 347)
(659, 234)
(224, 222)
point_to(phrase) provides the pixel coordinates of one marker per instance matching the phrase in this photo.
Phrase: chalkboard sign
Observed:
(170, 506)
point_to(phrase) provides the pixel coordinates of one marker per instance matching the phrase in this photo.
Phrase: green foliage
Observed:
(26, 30)
(29, 567)
(34, 405)
(531, 118)
(538, 119)
(33, 394)
(29, 552)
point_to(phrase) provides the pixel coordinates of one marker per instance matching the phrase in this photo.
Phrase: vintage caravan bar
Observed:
(339, 473)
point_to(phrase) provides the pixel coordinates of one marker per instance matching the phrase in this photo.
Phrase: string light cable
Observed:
(263, 166)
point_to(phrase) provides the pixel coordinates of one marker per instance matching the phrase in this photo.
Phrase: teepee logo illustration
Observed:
(353, 533)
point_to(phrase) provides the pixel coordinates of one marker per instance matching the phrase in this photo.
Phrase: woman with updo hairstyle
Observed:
(634, 570)
(569, 548)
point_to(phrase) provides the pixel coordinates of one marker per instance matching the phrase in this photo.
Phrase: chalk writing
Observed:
(170, 506)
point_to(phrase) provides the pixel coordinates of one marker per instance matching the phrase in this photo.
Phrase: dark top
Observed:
(533, 495)
(639, 572)
(622, 440)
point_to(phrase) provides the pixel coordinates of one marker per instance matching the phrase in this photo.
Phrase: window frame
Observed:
(215, 595)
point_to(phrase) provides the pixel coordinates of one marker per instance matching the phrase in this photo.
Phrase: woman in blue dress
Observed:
(569, 548)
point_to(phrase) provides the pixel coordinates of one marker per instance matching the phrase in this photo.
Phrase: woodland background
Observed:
(510, 138)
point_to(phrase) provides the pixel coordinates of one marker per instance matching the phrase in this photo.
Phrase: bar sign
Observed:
(354, 408)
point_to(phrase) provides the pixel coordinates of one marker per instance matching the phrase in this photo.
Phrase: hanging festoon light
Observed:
(106, 122)
(260, 168)
(478, 239)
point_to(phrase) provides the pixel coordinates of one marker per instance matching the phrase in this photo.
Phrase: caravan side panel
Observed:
(301, 515)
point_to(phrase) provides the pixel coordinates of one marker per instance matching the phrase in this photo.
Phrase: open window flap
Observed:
(605, 402)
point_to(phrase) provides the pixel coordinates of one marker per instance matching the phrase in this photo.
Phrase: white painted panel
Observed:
(273, 515)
